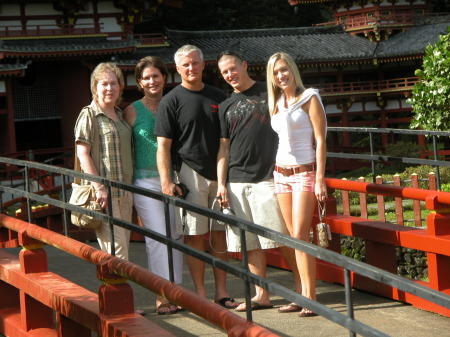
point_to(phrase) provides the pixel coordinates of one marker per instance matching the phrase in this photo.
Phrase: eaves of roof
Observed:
(310, 44)
(305, 44)
(65, 47)
(8, 70)
(412, 42)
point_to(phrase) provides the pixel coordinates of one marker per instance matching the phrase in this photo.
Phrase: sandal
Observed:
(223, 302)
(173, 309)
(254, 306)
(291, 307)
(139, 312)
(306, 313)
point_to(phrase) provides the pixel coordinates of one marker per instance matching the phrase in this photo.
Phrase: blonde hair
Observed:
(186, 50)
(273, 91)
(98, 73)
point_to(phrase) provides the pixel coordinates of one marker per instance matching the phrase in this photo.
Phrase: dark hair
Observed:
(229, 53)
(149, 61)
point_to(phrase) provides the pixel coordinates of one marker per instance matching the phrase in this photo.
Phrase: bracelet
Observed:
(100, 188)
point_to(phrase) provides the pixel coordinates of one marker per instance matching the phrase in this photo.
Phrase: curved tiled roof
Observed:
(413, 41)
(307, 44)
(13, 69)
(64, 46)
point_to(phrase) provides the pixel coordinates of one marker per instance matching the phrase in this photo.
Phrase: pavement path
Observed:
(391, 317)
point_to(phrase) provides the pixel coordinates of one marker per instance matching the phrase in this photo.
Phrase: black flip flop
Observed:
(256, 306)
(223, 302)
(294, 307)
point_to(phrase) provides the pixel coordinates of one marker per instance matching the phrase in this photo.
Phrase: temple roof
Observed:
(16, 69)
(309, 45)
(306, 44)
(413, 41)
(55, 47)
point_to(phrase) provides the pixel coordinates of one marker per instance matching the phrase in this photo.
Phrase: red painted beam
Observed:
(214, 313)
(72, 301)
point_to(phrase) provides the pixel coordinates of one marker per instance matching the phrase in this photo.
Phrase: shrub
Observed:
(402, 149)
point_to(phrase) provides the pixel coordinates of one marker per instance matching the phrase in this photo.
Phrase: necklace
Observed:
(150, 105)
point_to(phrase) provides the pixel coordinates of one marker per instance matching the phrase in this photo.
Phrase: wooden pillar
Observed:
(115, 296)
(437, 225)
(10, 115)
(33, 259)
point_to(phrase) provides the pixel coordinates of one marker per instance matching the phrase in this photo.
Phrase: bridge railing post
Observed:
(115, 295)
(33, 259)
(438, 225)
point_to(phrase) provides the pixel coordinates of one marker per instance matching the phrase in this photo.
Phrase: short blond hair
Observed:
(99, 71)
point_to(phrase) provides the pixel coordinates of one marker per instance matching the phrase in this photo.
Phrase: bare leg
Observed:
(257, 265)
(302, 220)
(289, 255)
(219, 243)
(285, 203)
(196, 267)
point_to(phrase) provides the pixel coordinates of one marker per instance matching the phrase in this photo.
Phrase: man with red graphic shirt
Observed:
(187, 128)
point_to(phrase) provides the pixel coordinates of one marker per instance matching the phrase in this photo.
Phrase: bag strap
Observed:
(95, 148)
(322, 210)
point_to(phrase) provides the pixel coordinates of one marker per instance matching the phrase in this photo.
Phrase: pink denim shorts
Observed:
(299, 182)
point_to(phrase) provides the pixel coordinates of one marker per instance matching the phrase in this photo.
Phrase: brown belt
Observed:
(288, 171)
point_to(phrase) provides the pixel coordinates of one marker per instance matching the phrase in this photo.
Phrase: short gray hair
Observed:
(186, 50)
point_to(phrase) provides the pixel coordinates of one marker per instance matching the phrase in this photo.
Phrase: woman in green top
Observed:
(151, 74)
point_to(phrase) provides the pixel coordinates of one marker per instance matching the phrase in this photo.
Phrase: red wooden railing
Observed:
(381, 238)
(377, 20)
(365, 21)
(39, 31)
(50, 30)
(30, 293)
(392, 85)
(381, 202)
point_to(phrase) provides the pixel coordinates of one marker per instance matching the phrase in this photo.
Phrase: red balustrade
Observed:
(30, 293)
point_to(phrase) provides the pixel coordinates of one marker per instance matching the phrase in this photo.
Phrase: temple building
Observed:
(363, 61)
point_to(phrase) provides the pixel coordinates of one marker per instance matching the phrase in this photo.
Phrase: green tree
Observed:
(431, 95)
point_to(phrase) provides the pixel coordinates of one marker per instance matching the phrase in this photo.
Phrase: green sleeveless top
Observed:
(145, 143)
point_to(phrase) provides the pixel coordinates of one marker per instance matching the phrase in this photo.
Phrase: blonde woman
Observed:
(102, 119)
(298, 117)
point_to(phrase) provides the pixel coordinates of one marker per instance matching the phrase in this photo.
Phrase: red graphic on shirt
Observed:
(215, 108)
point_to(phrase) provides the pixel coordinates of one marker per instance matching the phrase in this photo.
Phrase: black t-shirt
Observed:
(245, 120)
(190, 119)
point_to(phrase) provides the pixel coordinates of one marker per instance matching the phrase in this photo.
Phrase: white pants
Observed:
(151, 212)
(122, 209)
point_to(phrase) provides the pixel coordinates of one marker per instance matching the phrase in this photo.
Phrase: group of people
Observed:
(261, 151)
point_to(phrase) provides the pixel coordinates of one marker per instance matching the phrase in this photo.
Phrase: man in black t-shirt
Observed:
(187, 129)
(245, 160)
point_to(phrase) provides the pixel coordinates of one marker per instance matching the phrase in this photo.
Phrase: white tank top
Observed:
(295, 132)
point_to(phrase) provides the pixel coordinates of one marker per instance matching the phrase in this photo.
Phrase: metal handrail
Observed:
(346, 263)
(391, 85)
(373, 158)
